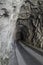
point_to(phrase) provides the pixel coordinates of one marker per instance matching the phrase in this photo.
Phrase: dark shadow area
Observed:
(22, 33)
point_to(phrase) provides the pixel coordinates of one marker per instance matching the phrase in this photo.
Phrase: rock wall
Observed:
(9, 10)
(31, 15)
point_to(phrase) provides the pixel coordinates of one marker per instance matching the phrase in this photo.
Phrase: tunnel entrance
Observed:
(21, 36)
(22, 32)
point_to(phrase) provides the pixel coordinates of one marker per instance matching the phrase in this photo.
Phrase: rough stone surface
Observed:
(32, 17)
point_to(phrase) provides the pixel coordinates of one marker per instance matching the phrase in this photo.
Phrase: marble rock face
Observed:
(9, 10)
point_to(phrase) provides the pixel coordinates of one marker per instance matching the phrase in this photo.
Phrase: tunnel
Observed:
(22, 32)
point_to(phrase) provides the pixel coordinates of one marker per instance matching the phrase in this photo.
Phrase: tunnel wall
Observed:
(31, 16)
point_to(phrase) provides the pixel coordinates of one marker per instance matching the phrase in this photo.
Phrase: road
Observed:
(23, 57)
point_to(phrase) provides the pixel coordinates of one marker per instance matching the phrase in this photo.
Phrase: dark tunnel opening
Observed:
(21, 36)
(22, 33)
